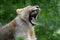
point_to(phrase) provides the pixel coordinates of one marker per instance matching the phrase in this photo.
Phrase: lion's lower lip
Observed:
(33, 21)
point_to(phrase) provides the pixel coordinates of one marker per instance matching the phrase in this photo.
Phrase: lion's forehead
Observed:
(31, 6)
(28, 8)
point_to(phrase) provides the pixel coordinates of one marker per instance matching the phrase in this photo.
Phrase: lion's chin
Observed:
(33, 21)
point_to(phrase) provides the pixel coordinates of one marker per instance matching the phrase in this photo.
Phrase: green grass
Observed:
(19, 38)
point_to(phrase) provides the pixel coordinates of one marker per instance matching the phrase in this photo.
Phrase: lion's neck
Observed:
(21, 27)
(17, 22)
(20, 20)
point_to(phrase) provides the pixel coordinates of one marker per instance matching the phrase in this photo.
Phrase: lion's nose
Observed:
(37, 6)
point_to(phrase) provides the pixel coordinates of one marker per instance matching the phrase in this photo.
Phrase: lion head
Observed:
(29, 13)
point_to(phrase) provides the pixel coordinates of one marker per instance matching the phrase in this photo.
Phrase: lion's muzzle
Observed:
(33, 14)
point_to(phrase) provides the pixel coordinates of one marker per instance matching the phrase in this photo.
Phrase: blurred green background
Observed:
(48, 20)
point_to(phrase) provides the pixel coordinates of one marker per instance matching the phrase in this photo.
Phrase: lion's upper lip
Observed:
(36, 9)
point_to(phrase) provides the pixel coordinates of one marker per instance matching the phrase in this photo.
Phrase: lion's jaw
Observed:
(33, 14)
(29, 14)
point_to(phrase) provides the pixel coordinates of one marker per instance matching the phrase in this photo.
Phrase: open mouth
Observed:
(32, 17)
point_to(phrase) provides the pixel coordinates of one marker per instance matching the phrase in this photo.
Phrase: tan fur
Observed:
(20, 26)
(28, 29)
(12, 25)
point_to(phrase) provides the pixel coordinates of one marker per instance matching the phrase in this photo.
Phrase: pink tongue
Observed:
(33, 20)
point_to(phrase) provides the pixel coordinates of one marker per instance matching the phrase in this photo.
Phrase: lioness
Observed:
(22, 25)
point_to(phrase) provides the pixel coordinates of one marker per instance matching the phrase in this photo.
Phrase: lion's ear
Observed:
(19, 11)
